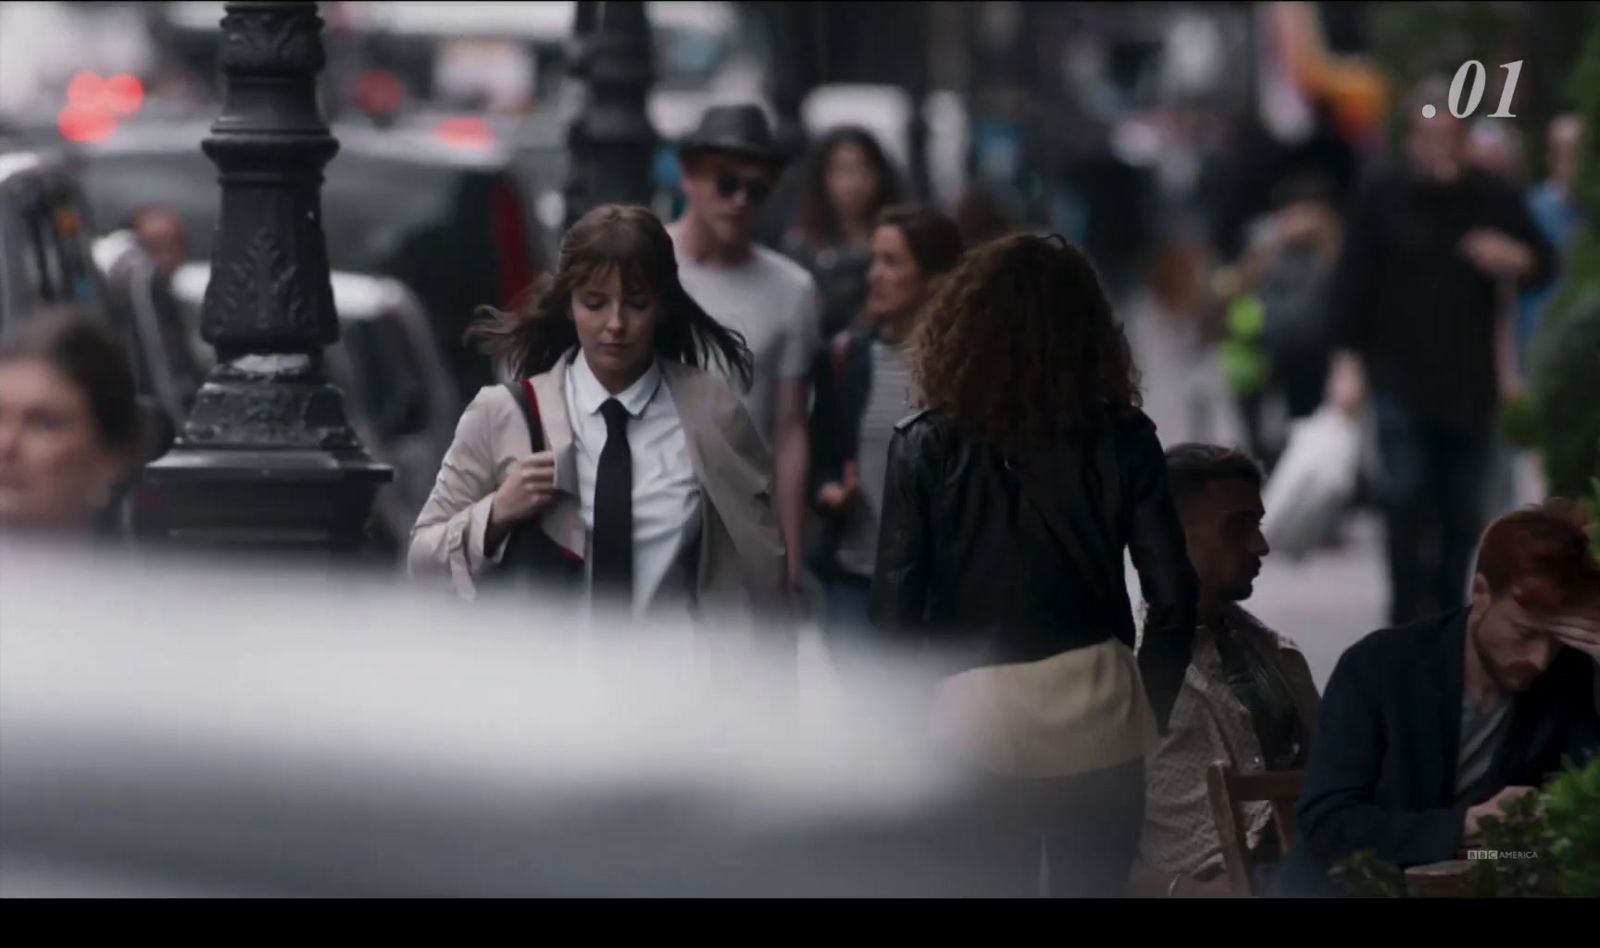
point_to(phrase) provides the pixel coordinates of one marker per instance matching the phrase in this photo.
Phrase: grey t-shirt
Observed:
(773, 302)
(1482, 733)
(888, 401)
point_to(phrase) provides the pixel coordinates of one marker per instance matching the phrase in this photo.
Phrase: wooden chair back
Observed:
(1228, 791)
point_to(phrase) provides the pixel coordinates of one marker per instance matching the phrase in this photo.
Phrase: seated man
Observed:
(1248, 696)
(1425, 730)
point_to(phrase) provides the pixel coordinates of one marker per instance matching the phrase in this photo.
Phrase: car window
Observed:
(57, 266)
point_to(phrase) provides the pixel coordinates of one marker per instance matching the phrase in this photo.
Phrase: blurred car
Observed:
(441, 213)
(399, 395)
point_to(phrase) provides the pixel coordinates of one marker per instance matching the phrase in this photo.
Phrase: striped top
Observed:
(889, 400)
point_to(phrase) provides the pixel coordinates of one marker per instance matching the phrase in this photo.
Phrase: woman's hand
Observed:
(529, 487)
(835, 495)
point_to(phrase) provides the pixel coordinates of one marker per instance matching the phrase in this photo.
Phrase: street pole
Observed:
(267, 459)
(611, 140)
(793, 70)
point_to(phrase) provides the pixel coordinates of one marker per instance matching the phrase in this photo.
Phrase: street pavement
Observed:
(1328, 601)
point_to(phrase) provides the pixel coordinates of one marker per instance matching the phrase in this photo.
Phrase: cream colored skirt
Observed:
(1073, 713)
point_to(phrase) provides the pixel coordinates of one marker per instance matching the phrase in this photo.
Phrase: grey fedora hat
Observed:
(739, 129)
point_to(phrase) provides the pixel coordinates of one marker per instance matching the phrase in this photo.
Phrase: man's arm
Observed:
(792, 460)
(1541, 263)
(1166, 577)
(1337, 811)
(791, 435)
(1353, 299)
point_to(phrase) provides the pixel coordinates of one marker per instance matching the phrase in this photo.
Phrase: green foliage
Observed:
(1565, 393)
(1365, 876)
(1566, 353)
(1571, 805)
(1520, 423)
(1553, 833)
(1531, 871)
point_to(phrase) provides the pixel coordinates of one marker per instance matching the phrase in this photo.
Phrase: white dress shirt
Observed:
(666, 494)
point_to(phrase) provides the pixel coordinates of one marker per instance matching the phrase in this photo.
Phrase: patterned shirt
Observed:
(1210, 723)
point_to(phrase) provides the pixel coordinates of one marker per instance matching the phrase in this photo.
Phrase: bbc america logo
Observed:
(1477, 854)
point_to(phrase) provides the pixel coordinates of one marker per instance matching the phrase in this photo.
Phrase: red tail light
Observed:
(511, 243)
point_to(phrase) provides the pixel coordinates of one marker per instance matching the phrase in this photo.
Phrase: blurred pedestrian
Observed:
(71, 431)
(1496, 147)
(1554, 205)
(849, 181)
(730, 162)
(139, 283)
(1009, 504)
(1415, 308)
(1173, 332)
(617, 464)
(913, 247)
(1280, 291)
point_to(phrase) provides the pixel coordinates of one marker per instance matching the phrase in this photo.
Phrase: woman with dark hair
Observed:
(913, 247)
(70, 425)
(848, 182)
(1008, 504)
(616, 465)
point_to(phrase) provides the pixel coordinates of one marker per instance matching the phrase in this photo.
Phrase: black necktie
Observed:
(613, 508)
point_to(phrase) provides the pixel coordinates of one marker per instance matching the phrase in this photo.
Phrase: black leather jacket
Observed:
(966, 563)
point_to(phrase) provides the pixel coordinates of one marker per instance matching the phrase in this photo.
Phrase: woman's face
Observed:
(54, 469)
(895, 285)
(616, 329)
(852, 182)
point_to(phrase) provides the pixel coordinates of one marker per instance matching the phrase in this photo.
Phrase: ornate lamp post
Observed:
(793, 72)
(611, 140)
(267, 459)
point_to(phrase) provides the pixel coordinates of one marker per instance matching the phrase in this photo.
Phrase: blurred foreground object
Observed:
(341, 736)
(267, 457)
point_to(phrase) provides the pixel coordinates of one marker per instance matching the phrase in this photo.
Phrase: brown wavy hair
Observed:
(1020, 344)
(816, 220)
(535, 334)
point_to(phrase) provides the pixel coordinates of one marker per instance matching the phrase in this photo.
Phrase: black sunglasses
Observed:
(756, 191)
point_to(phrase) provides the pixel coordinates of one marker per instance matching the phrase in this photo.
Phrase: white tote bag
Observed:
(1313, 481)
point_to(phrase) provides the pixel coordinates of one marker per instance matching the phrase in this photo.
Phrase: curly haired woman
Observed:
(1009, 502)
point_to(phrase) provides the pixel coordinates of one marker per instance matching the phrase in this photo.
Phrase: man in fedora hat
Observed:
(730, 164)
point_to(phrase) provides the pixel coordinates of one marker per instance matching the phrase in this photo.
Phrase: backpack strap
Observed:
(522, 393)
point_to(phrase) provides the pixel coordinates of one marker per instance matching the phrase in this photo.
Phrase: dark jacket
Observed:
(1415, 307)
(1382, 772)
(966, 562)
